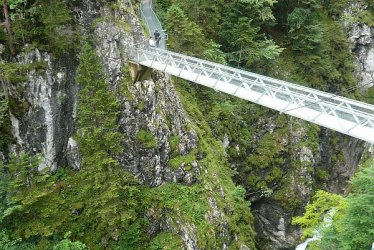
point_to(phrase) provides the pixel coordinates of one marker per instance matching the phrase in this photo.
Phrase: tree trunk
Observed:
(8, 27)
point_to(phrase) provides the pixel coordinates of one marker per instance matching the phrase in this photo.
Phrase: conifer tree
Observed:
(185, 35)
(30, 199)
(98, 109)
(106, 193)
(357, 230)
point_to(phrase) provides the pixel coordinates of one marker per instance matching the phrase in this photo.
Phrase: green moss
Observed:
(321, 203)
(216, 175)
(322, 174)
(174, 144)
(177, 161)
(314, 245)
(367, 17)
(115, 5)
(78, 205)
(97, 21)
(289, 200)
(175, 197)
(18, 108)
(16, 73)
(126, 93)
(166, 241)
(141, 106)
(168, 121)
(124, 25)
(134, 236)
(146, 138)
(255, 181)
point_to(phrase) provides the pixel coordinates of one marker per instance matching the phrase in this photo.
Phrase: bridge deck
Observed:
(341, 114)
(152, 21)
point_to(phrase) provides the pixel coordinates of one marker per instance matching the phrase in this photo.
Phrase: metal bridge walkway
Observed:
(151, 20)
(341, 114)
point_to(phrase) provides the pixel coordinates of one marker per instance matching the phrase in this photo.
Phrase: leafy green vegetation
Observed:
(369, 96)
(166, 241)
(352, 223)
(251, 35)
(6, 137)
(26, 191)
(3, 108)
(201, 29)
(67, 244)
(187, 160)
(321, 203)
(45, 24)
(94, 204)
(8, 244)
(103, 206)
(352, 228)
(14, 73)
(146, 138)
(107, 193)
(174, 144)
(217, 174)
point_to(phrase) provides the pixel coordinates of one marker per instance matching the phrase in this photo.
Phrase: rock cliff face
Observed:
(48, 123)
(274, 214)
(50, 96)
(162, 115)
(49, 100)
(361, 37)
(151, 107)
(273, 221)
(341, 171)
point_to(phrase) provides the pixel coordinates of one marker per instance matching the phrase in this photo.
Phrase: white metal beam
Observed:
(341, 114)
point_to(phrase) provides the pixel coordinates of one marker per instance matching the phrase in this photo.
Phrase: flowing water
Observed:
(327, 219)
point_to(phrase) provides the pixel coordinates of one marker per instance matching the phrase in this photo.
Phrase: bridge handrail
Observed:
(143, 16)
(292, 88)
(279, 82)
(158, 20)
(154, 15)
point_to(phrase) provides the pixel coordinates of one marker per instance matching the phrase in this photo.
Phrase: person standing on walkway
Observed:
(151, 43)
(157, 37)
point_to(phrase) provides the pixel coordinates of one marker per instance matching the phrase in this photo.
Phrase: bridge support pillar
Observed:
(139, 72)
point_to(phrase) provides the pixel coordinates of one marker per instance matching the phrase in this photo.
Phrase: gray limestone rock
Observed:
(72, 154)
(156, 108)
(48, 123)
(343, 169)
(151, 106)
(188, 234)
(361, 37)
(273, 225)
(49, 95)
(272, 221)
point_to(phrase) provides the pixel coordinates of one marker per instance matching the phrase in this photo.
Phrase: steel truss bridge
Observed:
(338, 113)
